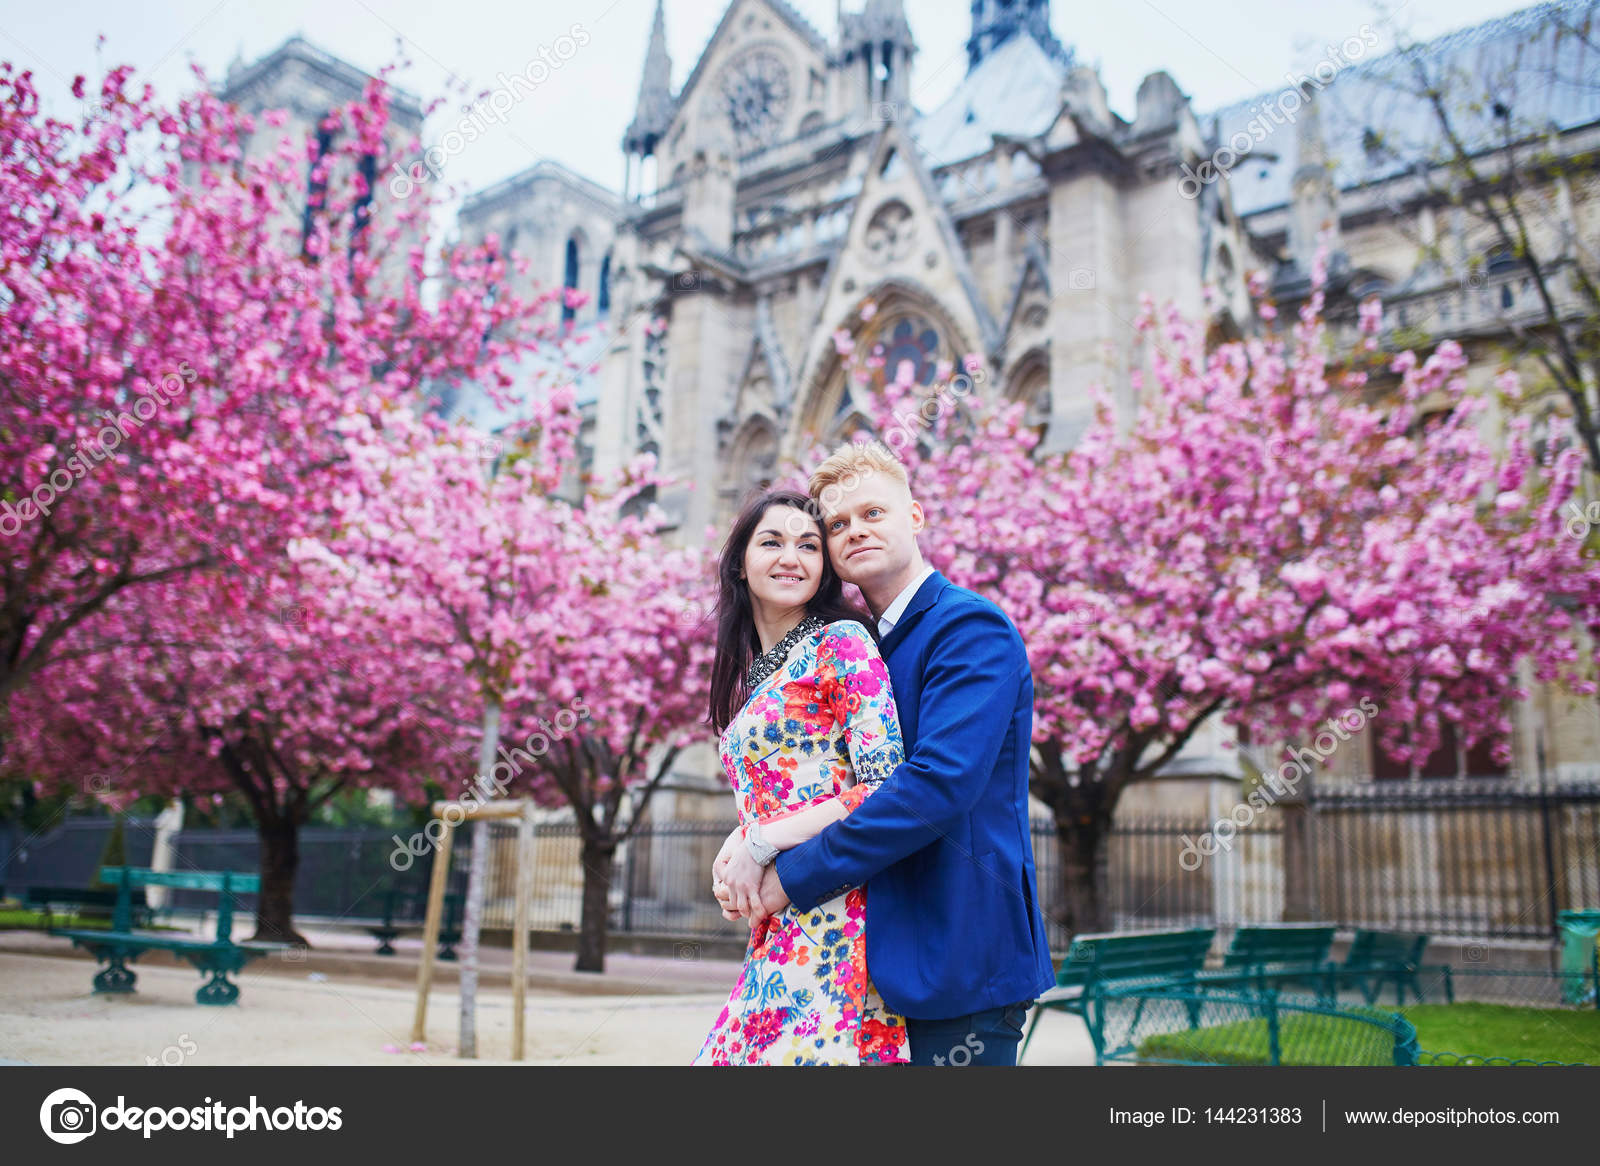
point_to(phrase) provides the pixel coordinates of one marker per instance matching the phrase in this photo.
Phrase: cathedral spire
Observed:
(996, 21)
(653, 112)
(879, 38)
(1313, 195)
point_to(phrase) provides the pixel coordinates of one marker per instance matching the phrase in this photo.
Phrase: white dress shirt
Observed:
(895, 610)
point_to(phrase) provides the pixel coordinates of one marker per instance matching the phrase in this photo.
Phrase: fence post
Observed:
(1299, 871)
(1552, 896)
(1274, 1052)
(627, 877)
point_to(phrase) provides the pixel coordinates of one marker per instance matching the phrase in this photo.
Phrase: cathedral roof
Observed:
(337, 75)
(1374, 128)
(516, 187)
(880, 21)
(1015, 90)
(785, 12)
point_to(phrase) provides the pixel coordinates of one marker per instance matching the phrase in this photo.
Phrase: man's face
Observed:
(871, 529)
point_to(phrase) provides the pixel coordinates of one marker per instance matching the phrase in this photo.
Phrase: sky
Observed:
(1216, 52)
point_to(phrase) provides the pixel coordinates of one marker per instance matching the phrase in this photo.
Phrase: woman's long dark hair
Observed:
(737, 642)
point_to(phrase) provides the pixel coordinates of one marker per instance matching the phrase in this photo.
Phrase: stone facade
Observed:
(789, 179)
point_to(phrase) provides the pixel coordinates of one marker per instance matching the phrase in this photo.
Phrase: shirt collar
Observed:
(895, 610)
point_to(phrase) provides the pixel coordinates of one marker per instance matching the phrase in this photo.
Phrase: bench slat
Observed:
(239, 882)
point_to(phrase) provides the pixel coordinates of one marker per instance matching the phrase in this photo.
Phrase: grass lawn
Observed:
(1302, 1040)
(20, 919)
(1571, 1036)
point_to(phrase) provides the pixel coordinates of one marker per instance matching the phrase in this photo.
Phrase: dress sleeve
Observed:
(854, 681)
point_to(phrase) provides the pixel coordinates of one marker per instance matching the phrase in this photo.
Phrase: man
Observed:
(955, 940)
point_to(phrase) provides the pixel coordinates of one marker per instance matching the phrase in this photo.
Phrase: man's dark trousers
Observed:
(989, 1037)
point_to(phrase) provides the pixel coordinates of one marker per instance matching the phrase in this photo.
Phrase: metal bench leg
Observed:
(1033, 1023)
(217, 990)
(115, 977)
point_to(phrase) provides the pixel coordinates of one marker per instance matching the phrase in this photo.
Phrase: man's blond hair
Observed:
(852, 462)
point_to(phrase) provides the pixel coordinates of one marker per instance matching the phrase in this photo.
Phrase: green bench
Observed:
(409, 908)
(1270, 954)
(1379, 957)
(1096, 962)
(47, 901)
(123, 944)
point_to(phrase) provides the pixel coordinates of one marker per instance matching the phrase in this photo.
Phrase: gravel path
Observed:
(287, 1016)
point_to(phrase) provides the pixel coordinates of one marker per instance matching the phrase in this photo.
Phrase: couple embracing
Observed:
(880, 767)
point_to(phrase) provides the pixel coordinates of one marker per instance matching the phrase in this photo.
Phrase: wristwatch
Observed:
(760, 849)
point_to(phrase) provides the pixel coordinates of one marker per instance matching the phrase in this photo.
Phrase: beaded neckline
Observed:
(767, 663)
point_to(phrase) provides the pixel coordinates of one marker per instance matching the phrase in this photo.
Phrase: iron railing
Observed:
(1474, 860)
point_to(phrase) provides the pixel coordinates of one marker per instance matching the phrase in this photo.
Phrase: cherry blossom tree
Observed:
(572, 628)
(193, 305)
(270, 699)
(190, 300)
(1275, 541)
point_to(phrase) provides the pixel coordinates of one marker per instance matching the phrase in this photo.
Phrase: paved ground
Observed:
(338, 1008)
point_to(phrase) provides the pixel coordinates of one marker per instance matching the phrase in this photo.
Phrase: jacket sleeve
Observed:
(973, 673)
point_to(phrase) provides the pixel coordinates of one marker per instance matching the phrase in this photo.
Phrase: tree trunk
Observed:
(471, 926)
(477, 888)
(599, 856)
(280, 859)
(1083, 906)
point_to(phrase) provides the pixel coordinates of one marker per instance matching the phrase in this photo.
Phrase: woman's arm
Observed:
(853, 684)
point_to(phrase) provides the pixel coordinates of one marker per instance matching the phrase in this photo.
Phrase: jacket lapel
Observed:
(930, 590)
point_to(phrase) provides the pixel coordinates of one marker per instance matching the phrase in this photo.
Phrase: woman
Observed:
(801, 702)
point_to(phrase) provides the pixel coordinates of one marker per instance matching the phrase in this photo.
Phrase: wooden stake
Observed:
(430, 929)
(519, 931)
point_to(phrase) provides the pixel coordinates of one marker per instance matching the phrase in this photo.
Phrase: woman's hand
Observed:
(719, 872)
(735, 839)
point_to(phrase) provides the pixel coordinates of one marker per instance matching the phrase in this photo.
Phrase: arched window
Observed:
(904, 331)
(603, 297)
(368, 167)
(316, 187)
(570, 280)
(1502, 259)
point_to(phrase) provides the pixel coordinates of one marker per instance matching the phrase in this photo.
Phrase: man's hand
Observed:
(773, 898)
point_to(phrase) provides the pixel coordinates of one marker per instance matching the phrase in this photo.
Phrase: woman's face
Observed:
(783, 561)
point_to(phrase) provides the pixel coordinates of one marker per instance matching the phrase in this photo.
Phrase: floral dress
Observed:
(822, 726)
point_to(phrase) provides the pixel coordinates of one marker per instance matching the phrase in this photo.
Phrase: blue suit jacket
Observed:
(953, 924)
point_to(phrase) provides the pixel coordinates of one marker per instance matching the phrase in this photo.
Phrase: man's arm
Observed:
(969, 691)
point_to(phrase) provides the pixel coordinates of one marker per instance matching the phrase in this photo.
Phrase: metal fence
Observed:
(1484, 860)
(1465, 858)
